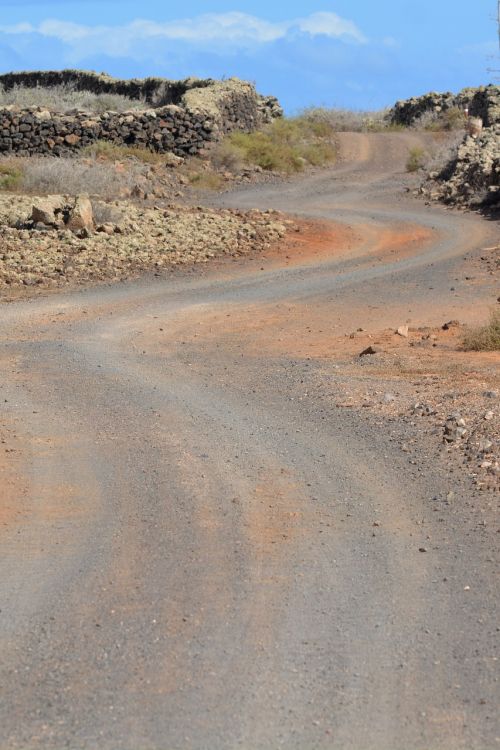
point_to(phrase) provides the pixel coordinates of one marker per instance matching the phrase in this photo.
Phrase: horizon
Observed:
(325, 54)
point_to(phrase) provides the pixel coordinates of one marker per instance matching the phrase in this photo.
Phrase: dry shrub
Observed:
(444, 156)
(118, 152)
(484, 338)
(52, 175)
(227, 156)
(348, 120)
(447, 120)
(64, 98)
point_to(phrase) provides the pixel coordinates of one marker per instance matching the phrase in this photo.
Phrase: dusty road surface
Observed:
(196, 551)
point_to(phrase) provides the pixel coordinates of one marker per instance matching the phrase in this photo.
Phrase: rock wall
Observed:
(153, 91)
(204, 110)
(482, 102)
(472, 177)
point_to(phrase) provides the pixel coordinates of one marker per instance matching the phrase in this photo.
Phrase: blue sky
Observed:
(352, 53)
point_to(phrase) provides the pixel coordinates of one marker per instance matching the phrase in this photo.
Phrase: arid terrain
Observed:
(241, 510)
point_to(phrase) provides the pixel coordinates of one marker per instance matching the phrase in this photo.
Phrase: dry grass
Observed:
(484, 338)
(352, 121)
(106, 213)
(116, 152)
(51, 175)
(206, 180)
(447, 121)
(64, 98)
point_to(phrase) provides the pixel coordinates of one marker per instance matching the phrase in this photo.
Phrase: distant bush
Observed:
(64, 98)
(227, 156)
(350, 120)
(10, 174)
(286, 145)
(447, 120)
(207, 180)
(416, 159)
(485, 338)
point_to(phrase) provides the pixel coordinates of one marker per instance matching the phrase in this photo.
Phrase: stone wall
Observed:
(202, 112)
(153, 91)
(482, 102)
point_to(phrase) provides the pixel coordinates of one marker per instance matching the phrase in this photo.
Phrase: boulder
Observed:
(48, 210)
(81, 215)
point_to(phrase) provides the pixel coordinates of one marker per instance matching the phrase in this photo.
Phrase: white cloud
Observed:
(330, 24)
(18, 28)
(233, 29)
(65, 31)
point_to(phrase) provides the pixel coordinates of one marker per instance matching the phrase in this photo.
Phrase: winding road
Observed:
(197, 553)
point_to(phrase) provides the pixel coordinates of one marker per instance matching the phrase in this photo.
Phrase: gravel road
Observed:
(197, 553)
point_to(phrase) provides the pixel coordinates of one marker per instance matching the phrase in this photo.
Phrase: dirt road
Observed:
(196, 551)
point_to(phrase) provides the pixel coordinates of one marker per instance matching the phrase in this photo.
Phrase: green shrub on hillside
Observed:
(286, 145)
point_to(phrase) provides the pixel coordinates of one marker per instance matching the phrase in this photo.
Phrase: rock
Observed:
(171, 160)
(106, 228)
(72, 139)
(485, 445)
(490, 394)
(48, 210)
(403, 331)
(489, 416)
(81, 215)
(475, 126)
(388, 398)
(451, 324)
(455, 429)
(370, 350)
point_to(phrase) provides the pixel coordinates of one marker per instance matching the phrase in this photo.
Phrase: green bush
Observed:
(286, 145)
(11, 175)
(485, 338)
(416, 159)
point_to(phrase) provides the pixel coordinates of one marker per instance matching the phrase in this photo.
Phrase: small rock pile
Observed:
(59, 240)
(60, 212)
(472, 177)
